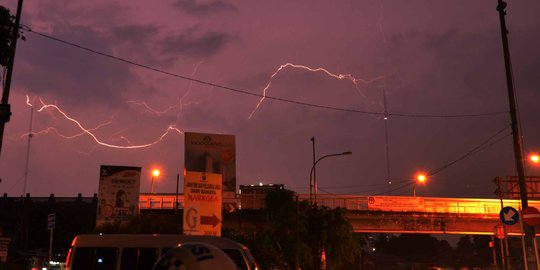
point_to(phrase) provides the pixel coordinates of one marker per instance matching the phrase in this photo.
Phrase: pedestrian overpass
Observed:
(383, 214)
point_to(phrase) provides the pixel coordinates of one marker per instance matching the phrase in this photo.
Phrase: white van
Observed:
(141, 251)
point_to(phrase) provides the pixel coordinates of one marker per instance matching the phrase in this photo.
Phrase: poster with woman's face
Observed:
(118, 196)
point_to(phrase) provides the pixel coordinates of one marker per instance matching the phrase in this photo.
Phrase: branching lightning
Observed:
(181, 104)
(90, 131)
(349, 77)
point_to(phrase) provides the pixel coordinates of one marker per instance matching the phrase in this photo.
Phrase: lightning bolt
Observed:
(349, 77)
(152, 110)
(89, 131)
(55, 130)
(178, 106)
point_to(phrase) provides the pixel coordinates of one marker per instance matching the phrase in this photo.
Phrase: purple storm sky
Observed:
(427, 57)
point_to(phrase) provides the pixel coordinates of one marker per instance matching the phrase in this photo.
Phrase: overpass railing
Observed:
(475, 206)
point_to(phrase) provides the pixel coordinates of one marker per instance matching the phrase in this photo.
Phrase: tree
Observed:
(330, 231)
(299, 232)
(7, 22)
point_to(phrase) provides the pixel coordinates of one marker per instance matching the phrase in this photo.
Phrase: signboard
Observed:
(498, 231)
(531, 216)
(4, 244)
(212, 153)
(396, 203)
(509, 215)
(202, 204)
(508, 187)
(51, 221)
(118, 196)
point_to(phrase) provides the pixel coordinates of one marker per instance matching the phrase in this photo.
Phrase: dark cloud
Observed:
(199, 8)
(135, 32)
(76, 76)
(192, 43)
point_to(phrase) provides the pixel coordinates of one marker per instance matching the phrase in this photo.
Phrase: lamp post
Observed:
(313, 169)
(155, 173)
(420, 178)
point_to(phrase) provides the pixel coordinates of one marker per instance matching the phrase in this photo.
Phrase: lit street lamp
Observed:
(535, 158)
(314, 179)
(155, 173)
(420, 178)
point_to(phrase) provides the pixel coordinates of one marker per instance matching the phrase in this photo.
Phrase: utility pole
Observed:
(518, 154)
(176, 195)
(312, 183)
(5, 108)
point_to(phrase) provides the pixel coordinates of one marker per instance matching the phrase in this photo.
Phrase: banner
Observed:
(118, 195)
(202, 204)
(396, 203)
(212, 153)
(4, 244)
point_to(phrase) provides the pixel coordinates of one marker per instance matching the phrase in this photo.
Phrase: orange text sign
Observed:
(202, 203)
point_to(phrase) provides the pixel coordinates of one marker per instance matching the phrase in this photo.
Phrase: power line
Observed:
(475, 150)
(244, 92)
(408, 183)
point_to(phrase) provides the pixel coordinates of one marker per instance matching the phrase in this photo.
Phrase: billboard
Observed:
(396, 203)
(202, 203)
(212, 153)
(508, 187)
(118, 195)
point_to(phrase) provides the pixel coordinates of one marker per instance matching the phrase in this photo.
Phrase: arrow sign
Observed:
(231, 207)
(210, 220)
(509, 215)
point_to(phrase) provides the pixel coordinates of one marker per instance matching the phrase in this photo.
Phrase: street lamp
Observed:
(535, 158)
(420, 178)
(155, 173)
(314, 179)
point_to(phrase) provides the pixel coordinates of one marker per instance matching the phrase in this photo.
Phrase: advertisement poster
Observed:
(118, 195)
(396, 203)
(212, 153)
(202, 204)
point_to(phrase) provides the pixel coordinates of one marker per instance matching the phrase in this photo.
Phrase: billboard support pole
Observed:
(50, 245)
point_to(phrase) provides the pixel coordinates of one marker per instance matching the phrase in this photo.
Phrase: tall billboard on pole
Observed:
(118, 195)
(212, 153)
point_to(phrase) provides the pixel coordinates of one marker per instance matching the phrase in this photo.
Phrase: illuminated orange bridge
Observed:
(386, 214)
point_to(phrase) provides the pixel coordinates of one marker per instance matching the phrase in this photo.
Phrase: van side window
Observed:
(237, 257)
(99, 258)
(138, 258)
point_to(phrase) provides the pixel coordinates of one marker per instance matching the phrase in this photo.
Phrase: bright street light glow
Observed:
(155, 172)
(421, 178)
(535, 158)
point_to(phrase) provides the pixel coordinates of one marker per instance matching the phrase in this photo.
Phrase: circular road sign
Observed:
(509, 215)
(531, 216)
